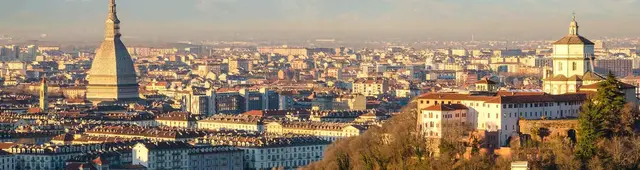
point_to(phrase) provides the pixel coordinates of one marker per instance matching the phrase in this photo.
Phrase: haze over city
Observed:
(319, 84)
(172, 20)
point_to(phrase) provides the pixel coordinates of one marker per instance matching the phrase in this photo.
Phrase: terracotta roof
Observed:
(595, 86)
(454, 96)
(574, 39)
(508, 93)
(575, 78)
(485, 81)
(538, 98)
(591, 76)
(558, 78)
(631, 77)
(505, 97)
(446, 107)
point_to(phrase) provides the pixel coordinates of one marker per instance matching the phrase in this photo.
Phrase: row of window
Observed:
(504, 106)
(447, 116)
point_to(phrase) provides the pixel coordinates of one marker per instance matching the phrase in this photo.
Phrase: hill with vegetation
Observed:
(608, 139)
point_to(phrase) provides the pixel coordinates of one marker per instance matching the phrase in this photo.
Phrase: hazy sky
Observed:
(422, 19)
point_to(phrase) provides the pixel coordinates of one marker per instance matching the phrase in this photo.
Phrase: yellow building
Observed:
(573, 57)
(370, 87)
(327, 131)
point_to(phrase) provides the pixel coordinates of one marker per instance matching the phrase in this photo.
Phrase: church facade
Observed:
(573, 57)
(495, 115)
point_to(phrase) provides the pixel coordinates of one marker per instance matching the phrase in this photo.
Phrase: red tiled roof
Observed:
(505, 97)
(595, 86)
(454, 96)
(485, 81)
(6, 145)
(573, 39)
(507, 93)
(538, 98)
(254, 113)
(446, 107)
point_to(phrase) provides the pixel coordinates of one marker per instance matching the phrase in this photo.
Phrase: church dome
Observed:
(573, 37)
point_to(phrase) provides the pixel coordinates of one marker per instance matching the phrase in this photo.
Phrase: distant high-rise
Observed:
(16, 53)
(44, 97)
(112, 76)
(32, 51)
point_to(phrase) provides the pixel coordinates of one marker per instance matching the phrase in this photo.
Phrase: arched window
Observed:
(575, 66)
(559, 66)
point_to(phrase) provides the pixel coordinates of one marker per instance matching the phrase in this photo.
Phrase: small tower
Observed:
(44, 97)
(486, 85)
(573, 27)
(547, 72)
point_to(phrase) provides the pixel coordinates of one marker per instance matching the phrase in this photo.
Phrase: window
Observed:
(559, 66)
(574, 66)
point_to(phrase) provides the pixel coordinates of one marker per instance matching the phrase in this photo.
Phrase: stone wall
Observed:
(554, 128)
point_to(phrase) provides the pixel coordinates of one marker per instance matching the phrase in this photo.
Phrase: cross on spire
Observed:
(573, 27)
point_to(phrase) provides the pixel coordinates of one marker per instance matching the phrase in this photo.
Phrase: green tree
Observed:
(590, 128)
(611, 99)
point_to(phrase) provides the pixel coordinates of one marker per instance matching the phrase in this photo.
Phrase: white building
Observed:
(232, 122)
(7, 160)
(181, 155)
(47, 157)
(499, 113)
(133, 132)
(324, 130)
(370, 87)
(177, 119)
(273, 151)
(566, 87)
(436, 117)
(200, 104)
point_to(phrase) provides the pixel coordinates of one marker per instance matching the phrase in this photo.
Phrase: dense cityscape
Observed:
(274, 105)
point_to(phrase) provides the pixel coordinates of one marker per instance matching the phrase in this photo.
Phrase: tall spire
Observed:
(573, 27)
(112, 25)
(112, 76)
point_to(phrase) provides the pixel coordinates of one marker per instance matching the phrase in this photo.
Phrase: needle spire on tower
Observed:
(112, 29)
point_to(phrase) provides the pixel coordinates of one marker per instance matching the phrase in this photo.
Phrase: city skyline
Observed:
(290, 19)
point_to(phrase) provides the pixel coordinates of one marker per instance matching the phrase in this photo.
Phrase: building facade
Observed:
(182, 155)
